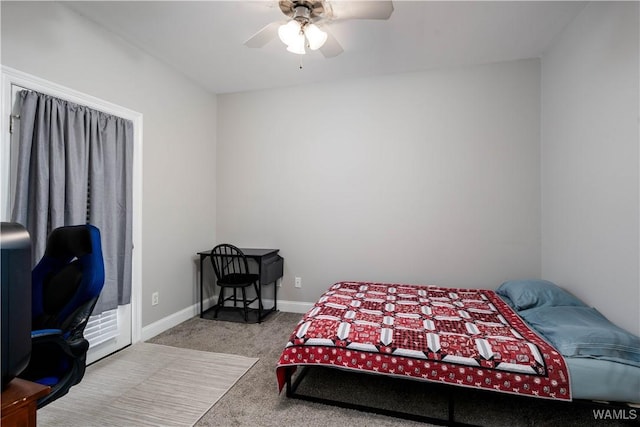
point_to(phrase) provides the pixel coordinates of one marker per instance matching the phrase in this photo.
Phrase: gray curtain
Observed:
(75, 167)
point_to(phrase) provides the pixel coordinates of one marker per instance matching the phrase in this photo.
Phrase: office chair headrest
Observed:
(69, 242)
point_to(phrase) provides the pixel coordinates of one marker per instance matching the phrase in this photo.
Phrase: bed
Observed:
(529, 338)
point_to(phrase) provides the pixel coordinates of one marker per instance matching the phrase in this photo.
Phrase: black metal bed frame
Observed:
(292, 386)
(291, 392)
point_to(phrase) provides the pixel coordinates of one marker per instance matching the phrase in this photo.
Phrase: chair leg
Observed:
(235, 298)
(255, 286)
(220, 302)
(245, 305)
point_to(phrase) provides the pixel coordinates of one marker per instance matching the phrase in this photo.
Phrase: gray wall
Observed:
(590, 183)
(50, 41)
(430, 177)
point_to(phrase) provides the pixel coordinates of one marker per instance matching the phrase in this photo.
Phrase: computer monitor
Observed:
(15, 334)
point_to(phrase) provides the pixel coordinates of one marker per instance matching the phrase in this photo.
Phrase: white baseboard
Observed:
(175, 319)
(293, 306)
(169, 322)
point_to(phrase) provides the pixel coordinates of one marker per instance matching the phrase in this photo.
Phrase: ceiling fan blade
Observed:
(331, 47)
(264, 36)
(343, 10)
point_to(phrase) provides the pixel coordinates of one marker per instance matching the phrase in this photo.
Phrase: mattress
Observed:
(463, 337)
(596, 379)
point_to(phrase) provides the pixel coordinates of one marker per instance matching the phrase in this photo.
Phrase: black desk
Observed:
(266, 277)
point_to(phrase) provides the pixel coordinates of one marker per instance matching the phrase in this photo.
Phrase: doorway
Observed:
(109, 331)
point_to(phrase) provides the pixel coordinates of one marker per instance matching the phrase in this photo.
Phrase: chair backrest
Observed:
(68, 279)
(228, 259)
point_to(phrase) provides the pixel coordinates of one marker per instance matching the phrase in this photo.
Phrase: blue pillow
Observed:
(584, 332)
(526, 294)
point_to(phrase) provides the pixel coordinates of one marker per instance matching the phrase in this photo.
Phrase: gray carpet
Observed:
(147, 385)
(254, 399)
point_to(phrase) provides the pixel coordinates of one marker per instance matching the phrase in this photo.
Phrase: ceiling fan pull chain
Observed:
(300, 61)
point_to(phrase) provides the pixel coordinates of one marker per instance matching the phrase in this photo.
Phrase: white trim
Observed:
(174, 319)
(169, 322)
(183, 315)
(12, 76)
(44, 86)
(288, 306)
(295, 306)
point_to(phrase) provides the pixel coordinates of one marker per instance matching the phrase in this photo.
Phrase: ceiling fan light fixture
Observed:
(315, 36)
(289, 32)
(297, 44)
(304, 16)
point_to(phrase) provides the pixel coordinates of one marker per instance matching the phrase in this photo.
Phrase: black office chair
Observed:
(66, 284)
(232, 271)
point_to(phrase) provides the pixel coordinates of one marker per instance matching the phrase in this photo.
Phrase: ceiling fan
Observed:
(308, 22)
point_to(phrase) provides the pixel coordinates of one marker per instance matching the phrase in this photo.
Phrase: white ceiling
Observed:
(204, 39)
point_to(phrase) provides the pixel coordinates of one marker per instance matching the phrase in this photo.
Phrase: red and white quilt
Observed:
(464, 337)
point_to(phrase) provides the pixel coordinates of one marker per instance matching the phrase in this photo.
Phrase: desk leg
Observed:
(275, 295)
(201, 285)
(260, 291)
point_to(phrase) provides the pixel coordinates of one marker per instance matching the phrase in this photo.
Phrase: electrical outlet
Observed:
(154, 298)
(298, 282)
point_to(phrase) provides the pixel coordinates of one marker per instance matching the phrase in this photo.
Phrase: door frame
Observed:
(12, 77)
